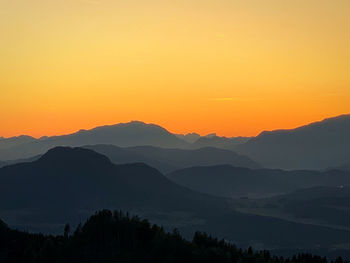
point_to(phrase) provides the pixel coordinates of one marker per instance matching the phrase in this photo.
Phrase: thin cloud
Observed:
(221, 99)
(235, 99)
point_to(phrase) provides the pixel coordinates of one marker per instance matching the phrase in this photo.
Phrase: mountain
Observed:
(211, 140)
(318, 145)
(330, 205)
(124, 134)
(190, 137)
(25, 160)
(345, 167)
(229, 181)
(167, 160)
(67, 180)
(68, 184)
(321, 205)
(6, 143)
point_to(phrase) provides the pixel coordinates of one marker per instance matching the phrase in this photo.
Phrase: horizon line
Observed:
(175, 133)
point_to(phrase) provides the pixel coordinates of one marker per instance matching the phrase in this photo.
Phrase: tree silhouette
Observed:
(66, 230)
(115, 237)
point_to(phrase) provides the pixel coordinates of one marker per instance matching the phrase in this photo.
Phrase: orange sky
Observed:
(225, 66)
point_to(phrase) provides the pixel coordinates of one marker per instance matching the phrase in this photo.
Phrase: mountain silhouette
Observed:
(134, 133)
(6, 143)
(212, 140)
(229, 181)
(167, 160)
(318, 145)
(68, 184)
(25, 160)
(190, 137)
(345, 167)
(323, 204)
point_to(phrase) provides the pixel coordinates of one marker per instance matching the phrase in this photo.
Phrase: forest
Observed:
(119, 237)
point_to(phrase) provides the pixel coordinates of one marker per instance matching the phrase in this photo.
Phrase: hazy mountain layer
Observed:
(65, 185)
(326, 206)
(167, 160)
(318, 145)
(124, 134)
(6, 143)
(219, 142)
(229, 181)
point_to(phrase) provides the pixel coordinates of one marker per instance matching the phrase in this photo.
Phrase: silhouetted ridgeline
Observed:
(229, 181)
(114, 237)
(212, 140)
(168, 160)
(316, 146)
(123, 134)
(6, 143)
(68, 184)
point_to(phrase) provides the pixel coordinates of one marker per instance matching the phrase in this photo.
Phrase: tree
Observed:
(66, 230)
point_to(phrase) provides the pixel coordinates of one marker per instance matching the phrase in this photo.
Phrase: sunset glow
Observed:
(226, 66)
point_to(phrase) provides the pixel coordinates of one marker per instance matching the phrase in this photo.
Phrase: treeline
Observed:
(116, 237)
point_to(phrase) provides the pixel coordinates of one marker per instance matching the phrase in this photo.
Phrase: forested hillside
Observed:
(116, 237)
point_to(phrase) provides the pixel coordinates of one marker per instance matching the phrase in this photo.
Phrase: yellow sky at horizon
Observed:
(225, 66)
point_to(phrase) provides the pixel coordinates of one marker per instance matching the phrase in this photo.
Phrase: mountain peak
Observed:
(327, 123)
(316, 146)
(69, 155)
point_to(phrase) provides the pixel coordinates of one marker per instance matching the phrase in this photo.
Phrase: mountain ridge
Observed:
(230, 181)
(123, 134)
(47, 196)
(316, 146)
(167, 160)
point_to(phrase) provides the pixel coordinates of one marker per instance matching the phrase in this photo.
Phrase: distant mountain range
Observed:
(229, 181)
(319, 146)
(325, 204)
(212, 140)
(67, 184)
(24, 160)
(190, 137)
(130, 134)
(165, 160)
(6, 143)
(345, 167)
(321, 205)
(124, 135)
(168, 160)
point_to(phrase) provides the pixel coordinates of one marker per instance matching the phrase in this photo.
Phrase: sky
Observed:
(234, 67)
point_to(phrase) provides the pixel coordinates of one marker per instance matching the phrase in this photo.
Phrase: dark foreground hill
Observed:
(68, 184)
(318, 145)
(229, 181)
(114, 237)
(167, 160)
